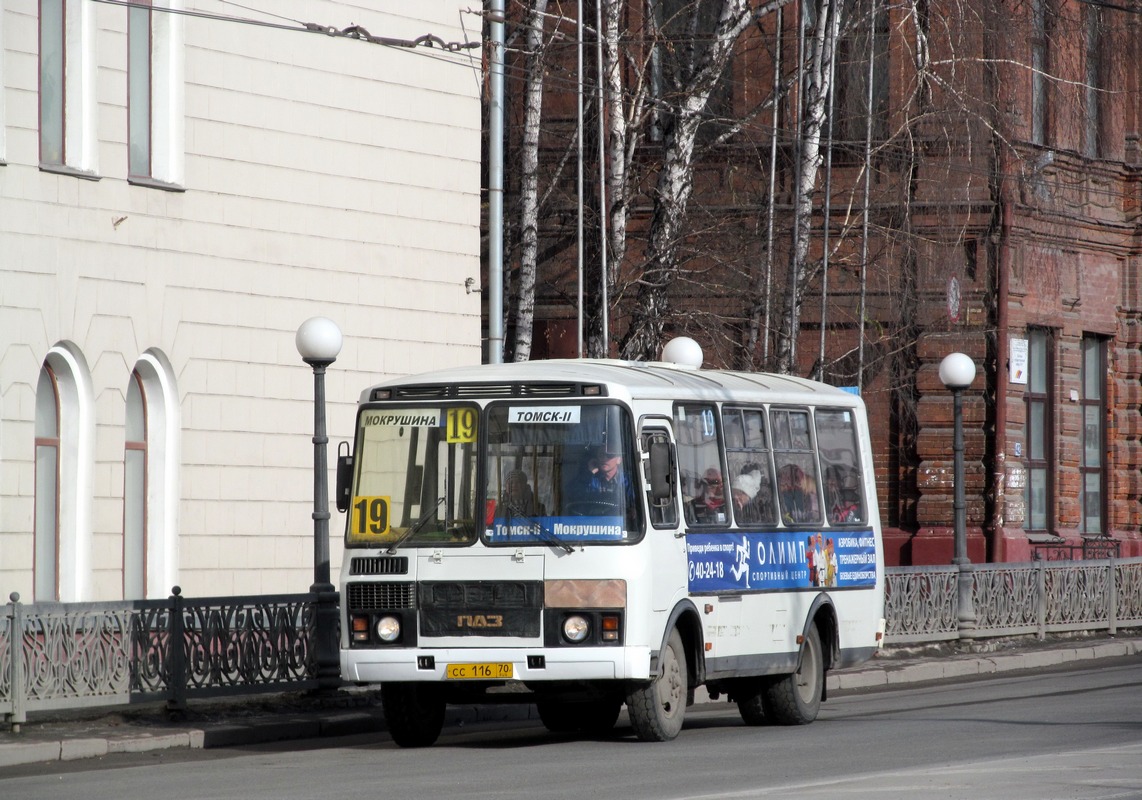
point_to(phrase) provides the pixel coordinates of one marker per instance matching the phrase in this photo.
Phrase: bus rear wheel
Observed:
(795, 699)
(414, 713)
(751, 702)
(657, 709)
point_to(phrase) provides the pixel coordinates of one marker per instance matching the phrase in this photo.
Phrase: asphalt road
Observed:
(1063, 733)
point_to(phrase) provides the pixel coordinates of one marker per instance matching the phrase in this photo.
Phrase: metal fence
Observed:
(73, 655)
(1037, 597)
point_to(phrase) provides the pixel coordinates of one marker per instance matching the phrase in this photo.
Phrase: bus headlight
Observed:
(575, 628)
(388, 629)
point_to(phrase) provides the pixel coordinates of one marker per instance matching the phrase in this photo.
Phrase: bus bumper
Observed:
(527, 665)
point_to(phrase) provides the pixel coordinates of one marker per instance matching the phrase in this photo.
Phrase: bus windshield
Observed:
(415, 477)
(560, 472)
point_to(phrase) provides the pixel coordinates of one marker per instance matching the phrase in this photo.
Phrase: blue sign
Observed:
(742, 562)
(571, 530)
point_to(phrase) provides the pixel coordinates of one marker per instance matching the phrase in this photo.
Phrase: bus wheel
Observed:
(795, 699)
(594, 716)
(751, 704)
(656, 710)
(414, 712)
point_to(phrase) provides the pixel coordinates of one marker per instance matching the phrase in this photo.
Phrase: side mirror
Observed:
(344, 476)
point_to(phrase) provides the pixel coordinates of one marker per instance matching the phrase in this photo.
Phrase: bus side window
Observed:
(661, 493)
(700, 465)
(836, 440)
(795, 461)
(751, 483)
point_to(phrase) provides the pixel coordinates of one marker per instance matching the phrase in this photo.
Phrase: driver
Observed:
(604, 481)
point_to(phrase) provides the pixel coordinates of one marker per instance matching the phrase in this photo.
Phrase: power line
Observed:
(358, 32)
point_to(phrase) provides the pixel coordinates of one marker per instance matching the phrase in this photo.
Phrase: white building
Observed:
(178, 194)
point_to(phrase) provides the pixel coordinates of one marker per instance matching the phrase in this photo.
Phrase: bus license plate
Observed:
(484, 671)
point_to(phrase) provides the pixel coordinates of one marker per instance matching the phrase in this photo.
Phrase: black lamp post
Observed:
(319, 341)
(957, 371)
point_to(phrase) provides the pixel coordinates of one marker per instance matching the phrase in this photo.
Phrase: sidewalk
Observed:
(254, 719)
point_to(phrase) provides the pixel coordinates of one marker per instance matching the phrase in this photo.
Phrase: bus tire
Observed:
(414, 713)
(656, 710)
(592, 717)
(795, 699)
(751, 704)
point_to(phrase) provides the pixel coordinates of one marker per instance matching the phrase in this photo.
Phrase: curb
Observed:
(879, 673)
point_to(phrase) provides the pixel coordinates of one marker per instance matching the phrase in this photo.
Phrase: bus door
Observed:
(667, 568)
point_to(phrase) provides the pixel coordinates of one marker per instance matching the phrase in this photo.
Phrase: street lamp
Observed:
(957, 371)
(319, 341)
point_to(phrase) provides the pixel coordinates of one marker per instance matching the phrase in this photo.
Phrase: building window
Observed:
(1039, 432)
(154, 96)
(687, 29)
(46, 564)
(1092, 108)
(64, 444)
(3, 126)
(862, 57)
(139, 90)
(150, 480)
(135, 492)
(1042, 25)
(67, 86)
(1093, 436)
(53, 32)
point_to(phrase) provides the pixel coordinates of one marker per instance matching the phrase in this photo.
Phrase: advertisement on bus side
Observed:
(740, 562)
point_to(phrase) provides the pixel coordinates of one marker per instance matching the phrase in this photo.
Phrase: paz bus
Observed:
(588, 534)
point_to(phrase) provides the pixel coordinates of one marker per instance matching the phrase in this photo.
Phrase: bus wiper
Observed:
(416, 526)
(547, 535)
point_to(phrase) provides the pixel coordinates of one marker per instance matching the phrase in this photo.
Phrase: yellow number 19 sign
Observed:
(461, 425)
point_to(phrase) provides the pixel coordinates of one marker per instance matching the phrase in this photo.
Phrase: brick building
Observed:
(999, 219)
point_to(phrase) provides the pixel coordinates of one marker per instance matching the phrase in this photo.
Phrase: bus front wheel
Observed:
(795, 699)
(414, 713)
(656, 710)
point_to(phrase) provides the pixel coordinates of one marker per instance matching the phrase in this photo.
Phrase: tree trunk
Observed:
(529, 184)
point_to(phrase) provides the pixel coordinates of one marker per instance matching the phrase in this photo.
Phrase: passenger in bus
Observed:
(518, 496)
(752, 496)
(843, 497)
(798, 495)
(709, 507)
(743, 489)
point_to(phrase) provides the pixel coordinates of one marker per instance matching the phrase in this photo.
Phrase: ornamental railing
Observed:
(74, 655)
(1037, 597)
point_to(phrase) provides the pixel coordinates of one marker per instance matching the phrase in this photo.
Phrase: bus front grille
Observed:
(379, 565)
(480, 608)
(380, 596)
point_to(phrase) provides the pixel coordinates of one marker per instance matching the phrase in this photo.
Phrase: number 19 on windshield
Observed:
(370, 518)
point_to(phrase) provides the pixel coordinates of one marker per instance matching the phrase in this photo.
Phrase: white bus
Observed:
(580, 534)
